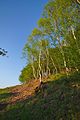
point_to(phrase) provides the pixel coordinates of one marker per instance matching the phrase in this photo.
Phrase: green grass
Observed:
(58, 99)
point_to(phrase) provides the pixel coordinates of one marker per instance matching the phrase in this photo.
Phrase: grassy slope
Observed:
(57, 99)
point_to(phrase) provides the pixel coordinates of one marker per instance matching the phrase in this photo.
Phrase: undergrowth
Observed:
(57, 99)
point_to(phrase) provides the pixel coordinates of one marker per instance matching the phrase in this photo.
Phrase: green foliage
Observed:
(26, 74)
(53, 53)
(36, 32)
(54, 46)
(57, 99)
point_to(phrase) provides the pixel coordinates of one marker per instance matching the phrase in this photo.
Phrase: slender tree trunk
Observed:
(47, 57)
(32, 65)
(62, 52)
(51, 57)
(33, 71)
(78, 1)
(42, 73)
(40, 77)
(61, 49)
(54, 65)
(37, 74)
(73, 33)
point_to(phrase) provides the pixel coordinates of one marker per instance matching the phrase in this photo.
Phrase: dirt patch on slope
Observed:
(22, 92)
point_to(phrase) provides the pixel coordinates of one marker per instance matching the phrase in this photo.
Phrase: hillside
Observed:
(58, 98)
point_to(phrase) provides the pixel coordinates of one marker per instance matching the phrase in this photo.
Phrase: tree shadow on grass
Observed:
(4, 97)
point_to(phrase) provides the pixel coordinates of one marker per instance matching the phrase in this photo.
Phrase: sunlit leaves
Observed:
(55, 43)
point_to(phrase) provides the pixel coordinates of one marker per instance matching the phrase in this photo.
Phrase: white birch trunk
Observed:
(62, 52)
(33, 71)
(54, 65)
(73, 33)
(40, 77)
(47, 57)
(78, 1)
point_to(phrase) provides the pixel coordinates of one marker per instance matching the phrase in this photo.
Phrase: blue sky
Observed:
(17, 19)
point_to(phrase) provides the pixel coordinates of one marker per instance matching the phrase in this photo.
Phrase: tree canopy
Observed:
(3, 52)
(54, 46)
